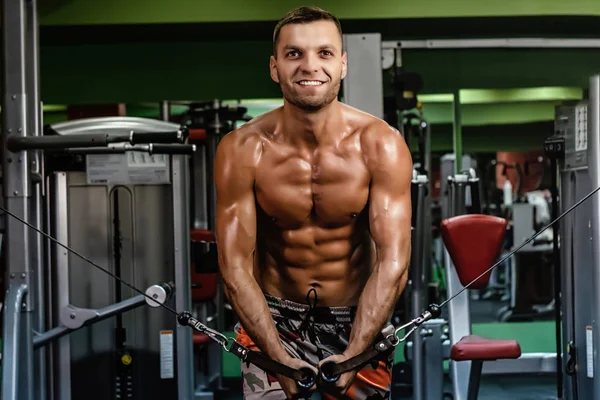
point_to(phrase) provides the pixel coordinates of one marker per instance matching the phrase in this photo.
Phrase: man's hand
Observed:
(338, 388)
(289, 386)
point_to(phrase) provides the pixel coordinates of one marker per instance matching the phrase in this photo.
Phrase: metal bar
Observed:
(458, 309)
(594, 169)
(457, 133)
(49, 285)
(62, 355)
(557, 278)
(183, 297)
(35, 120)
(418, 287)
(165, 110)
(101, 314)
(11, 359)
(474, 379)
(528, 363)
(215, 352)
(21, 296)
(26, 370)
(428, 148)
(436, 352)
(523, 43)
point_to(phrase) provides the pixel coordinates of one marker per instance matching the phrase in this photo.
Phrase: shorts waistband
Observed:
(298, 311)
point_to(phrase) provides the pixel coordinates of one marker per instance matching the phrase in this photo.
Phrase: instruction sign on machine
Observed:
(132, 168)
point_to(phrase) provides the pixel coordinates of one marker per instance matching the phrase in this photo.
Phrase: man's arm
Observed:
(235, 164)
(389, 162)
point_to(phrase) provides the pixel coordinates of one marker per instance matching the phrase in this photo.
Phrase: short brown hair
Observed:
(303, 15)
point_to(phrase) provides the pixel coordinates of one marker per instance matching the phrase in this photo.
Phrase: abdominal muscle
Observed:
(291, 263)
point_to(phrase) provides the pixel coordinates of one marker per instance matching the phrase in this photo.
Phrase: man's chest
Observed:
(294, 189)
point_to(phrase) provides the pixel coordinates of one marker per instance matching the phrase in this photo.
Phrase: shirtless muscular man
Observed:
(313, 220)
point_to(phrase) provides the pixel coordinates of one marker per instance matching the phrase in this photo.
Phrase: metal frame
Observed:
(458, 309)
(594, 169)
(24, 371)
(523, 43)
(17, 372)
(183, 300)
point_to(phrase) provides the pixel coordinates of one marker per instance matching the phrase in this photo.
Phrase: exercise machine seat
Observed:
(473, 242)
(475, 347)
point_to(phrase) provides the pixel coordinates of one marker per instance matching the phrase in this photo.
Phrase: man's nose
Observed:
(310, 63)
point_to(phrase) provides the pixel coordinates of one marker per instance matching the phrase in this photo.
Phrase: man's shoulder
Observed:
(246, 142)
(377, 136)
(372, 128)
(251, 134)
(382, 145)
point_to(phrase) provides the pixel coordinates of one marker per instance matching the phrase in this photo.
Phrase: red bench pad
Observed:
(473, 242)
(475, 347)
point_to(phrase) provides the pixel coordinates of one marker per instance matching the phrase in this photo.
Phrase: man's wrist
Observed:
(279, 355)
(354, 350)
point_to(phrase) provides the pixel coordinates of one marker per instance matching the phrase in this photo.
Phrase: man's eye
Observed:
(326, 53)
(292, 54)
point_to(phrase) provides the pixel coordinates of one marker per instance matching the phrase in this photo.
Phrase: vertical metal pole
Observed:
(34, 120)
(16, 184)
(183, 297)
(594, 168)
(213, 139)
(557, 279)
(418, 288)
(62, 355)
(165, 110)
(428, 148)
(13, 343)
(457, 133)
(49, 287)
(458, 309)
(180, 190)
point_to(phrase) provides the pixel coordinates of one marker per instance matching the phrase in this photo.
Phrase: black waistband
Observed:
(299, 311)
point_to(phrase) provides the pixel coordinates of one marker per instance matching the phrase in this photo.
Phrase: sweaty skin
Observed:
(295, 213)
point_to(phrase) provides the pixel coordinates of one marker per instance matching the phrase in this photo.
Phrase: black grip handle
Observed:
(309, 378)
(187, 149)
(327, 372)
(19, 143)
(156, 137)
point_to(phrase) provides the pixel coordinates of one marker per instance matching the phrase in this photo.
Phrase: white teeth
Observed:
(310, 83)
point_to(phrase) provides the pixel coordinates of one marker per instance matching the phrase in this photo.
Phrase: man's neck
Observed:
(310, 128)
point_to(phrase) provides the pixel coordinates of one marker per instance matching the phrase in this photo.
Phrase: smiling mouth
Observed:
(310, 83)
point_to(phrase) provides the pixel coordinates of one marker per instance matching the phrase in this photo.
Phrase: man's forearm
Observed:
(248, 302)
(376, 304)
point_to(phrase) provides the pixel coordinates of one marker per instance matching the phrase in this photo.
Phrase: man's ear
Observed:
(273, 69)
(344, 64)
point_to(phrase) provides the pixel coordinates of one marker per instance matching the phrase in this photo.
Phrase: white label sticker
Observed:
(130, 168)
(581, 129)
(167, 370)
(589, 351)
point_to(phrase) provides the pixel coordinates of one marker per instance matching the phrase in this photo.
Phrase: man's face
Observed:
(310, 64)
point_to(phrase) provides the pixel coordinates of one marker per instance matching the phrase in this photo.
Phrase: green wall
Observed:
(92, 52)
(82, 12)
(152, 71)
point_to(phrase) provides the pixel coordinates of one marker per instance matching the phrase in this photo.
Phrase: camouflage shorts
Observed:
(312, 334)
